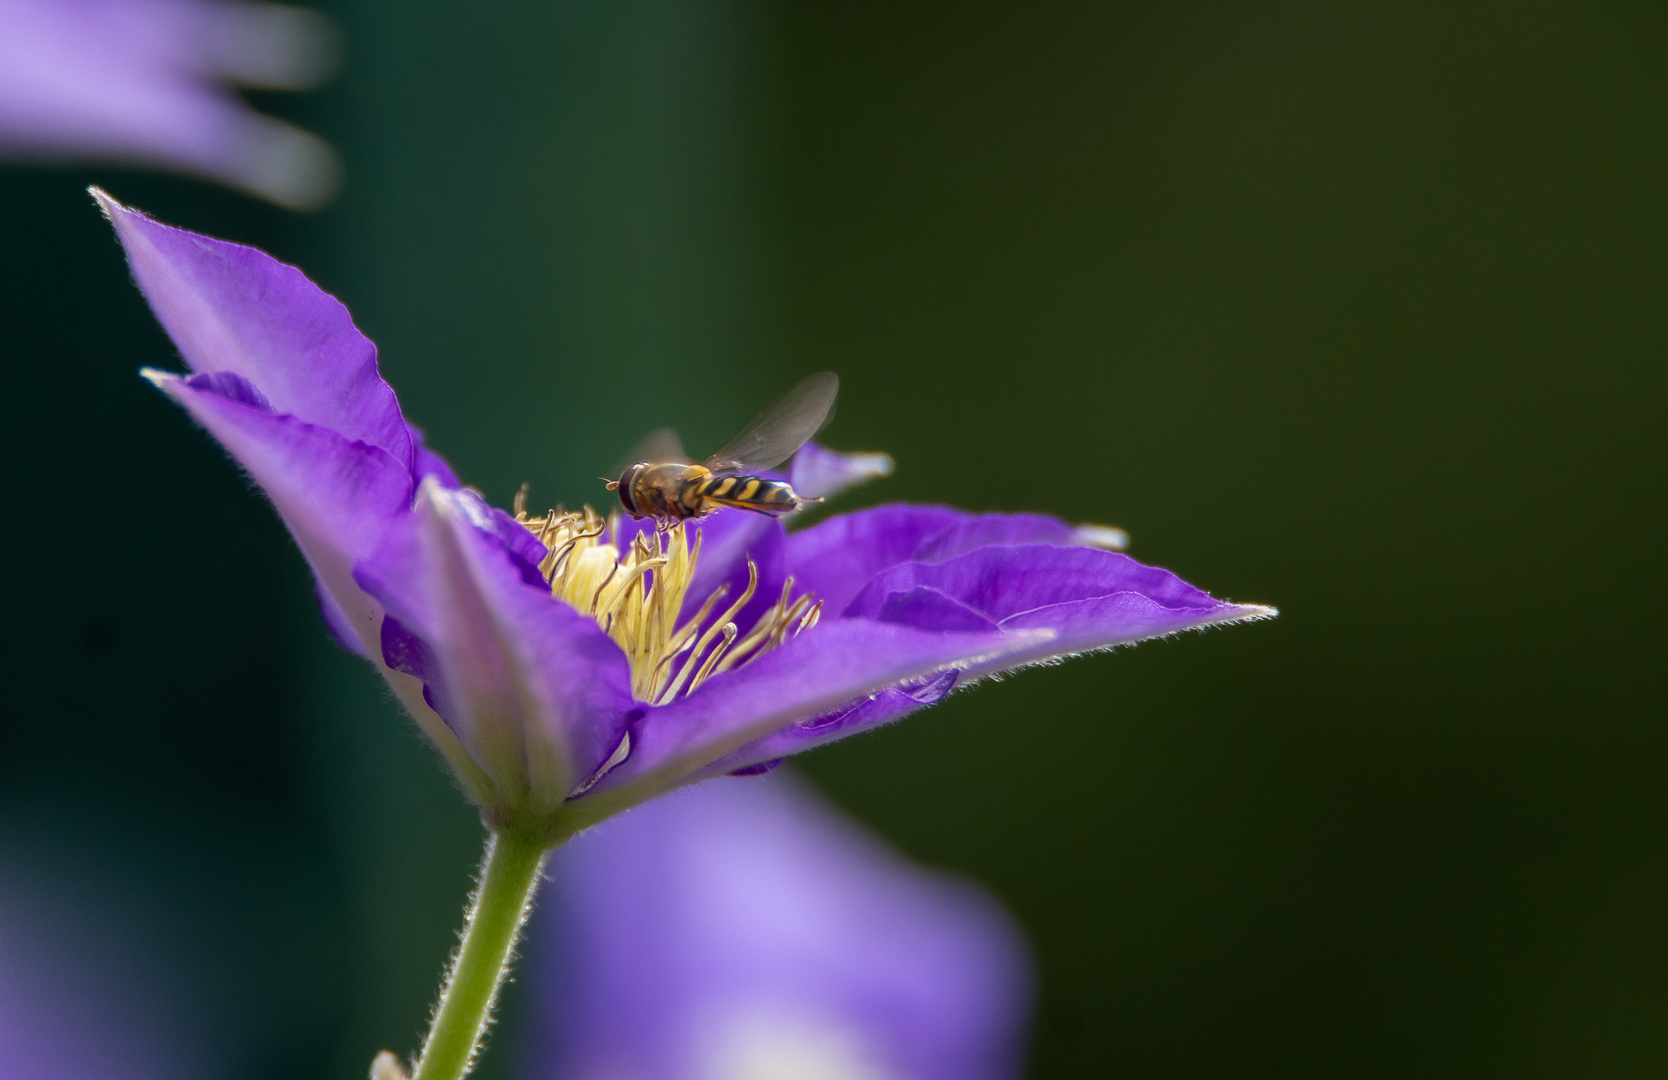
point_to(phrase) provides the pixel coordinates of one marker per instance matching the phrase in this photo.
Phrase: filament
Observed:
(637, 597)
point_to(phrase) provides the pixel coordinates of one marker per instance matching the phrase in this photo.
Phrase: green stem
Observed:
(509, 874)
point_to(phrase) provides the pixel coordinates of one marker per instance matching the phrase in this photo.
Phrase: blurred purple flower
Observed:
(83, 994)
(749, 931)
(147, 82)
(567, 670)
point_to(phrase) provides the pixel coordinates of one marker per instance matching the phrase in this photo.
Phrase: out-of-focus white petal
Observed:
(1109, 537)
(270, 46)
(282, 163)
(819, 473)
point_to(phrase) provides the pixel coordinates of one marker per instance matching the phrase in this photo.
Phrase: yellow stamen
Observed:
(636, 597)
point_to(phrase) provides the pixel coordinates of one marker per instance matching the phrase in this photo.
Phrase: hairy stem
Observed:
(509, 875)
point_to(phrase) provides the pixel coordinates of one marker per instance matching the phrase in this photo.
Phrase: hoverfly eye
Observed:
(624, 487)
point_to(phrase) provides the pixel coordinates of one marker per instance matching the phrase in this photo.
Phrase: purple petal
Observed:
(727, 537)
(985, 530)
(761, 769)
(837, 557)
(409, 654)
(91, 984)
(728, 540)
(427, 462)
(817, 471)
(338, 497)
(519, 543)
(929, 609)
(751, 915)
(893, 703)
(232, 387)
(337, 622)
(146, 82)
(535, 692)
(823, 669)
(1091, 599)
(231, 308)
(1004, 581)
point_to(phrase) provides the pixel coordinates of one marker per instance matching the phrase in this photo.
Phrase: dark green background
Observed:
(1356, 310)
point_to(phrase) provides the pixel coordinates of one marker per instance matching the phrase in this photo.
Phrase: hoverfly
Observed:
(667, 486)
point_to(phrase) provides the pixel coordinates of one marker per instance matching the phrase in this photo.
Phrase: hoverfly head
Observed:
(624, 485)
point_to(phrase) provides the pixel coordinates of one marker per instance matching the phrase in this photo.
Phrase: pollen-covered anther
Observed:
(637, 594)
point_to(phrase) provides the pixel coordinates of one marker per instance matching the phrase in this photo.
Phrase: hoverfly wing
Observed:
(776, 434)
(658, 447)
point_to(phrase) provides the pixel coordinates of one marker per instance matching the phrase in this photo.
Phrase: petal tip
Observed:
(1243, 613)
(1106, 537)
(121, 216)
(113, 209)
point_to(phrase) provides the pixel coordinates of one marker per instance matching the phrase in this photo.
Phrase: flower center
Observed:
(636, 597)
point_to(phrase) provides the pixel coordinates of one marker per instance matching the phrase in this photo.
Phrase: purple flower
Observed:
(84, 997)
(568, 667)
(749, 930)
(145, 82)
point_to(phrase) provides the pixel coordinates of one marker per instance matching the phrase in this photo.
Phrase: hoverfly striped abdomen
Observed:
(665, 485)
(757, 493)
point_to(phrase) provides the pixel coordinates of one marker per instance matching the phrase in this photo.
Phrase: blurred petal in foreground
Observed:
(149, 83)
(85, 992)
(747, 930)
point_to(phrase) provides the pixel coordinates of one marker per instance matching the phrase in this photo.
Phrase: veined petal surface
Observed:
(836, 558)
(231, 308)
(1091, 599)
(536, 693)
(880, 707)
(822, 669)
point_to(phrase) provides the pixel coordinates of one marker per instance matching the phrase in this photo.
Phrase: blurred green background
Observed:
(1357, 310)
